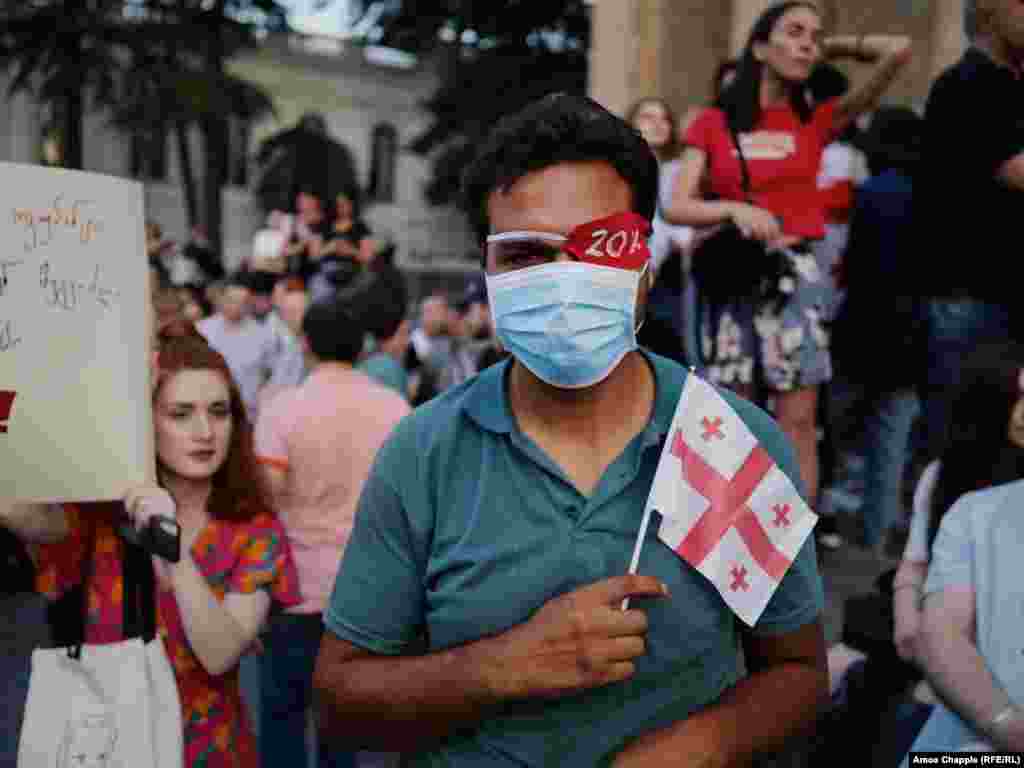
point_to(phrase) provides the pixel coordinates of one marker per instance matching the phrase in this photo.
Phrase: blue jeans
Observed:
(955, 328)
(14, 671)
(23, 628)
(887, 428)
(291, 645)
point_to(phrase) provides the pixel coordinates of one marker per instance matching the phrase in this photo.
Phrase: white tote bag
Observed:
(107, 706)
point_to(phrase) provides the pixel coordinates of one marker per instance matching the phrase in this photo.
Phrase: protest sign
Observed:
(75, 410)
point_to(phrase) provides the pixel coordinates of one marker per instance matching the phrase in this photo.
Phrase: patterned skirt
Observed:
(777, 342)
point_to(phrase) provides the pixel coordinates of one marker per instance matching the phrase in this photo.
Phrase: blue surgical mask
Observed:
(569, 323)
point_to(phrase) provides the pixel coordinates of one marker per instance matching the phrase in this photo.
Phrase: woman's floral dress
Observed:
(234, 557)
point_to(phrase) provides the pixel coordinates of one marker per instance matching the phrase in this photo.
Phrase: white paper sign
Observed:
(75, 410)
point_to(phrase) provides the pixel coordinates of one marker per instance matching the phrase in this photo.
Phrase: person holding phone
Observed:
(234, 563)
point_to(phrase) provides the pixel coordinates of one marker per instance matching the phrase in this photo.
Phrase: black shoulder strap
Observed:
(139, 606)
(80, 624)
(743, 160)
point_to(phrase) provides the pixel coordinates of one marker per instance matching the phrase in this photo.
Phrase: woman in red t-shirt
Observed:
(235, 561)
(775, 348)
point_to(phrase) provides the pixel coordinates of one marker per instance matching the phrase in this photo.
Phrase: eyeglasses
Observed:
(510, 251)
(618, 241)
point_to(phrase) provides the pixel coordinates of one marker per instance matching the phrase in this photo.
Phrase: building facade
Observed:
(370, 103)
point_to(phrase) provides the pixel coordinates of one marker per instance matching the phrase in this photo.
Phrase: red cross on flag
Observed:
(726, 507)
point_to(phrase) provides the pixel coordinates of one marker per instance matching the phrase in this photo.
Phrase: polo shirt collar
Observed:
(486, 401)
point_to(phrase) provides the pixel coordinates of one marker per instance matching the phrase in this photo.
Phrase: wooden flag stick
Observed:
(635, 563)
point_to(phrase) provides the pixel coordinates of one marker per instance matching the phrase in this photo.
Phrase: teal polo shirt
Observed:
(385, 370)
(465, 528)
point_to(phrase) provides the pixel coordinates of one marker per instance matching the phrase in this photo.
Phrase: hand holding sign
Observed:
(74, 319)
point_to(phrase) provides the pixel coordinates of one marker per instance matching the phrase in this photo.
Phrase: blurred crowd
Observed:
(878, 327)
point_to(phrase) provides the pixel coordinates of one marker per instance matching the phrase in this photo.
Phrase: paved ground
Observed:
(846, 572)
(851, 570)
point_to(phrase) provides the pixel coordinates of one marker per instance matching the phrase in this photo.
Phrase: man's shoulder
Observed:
(434, 425)
(385, 399)
(961, 82)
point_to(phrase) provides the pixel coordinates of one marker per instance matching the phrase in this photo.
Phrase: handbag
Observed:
(106, 705)
(730, 268)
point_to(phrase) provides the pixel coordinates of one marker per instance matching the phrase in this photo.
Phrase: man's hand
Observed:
(577, 641)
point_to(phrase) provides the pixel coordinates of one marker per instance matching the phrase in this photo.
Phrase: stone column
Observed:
(949, 41)
(666, 48)
(744, 14)
(614, 54)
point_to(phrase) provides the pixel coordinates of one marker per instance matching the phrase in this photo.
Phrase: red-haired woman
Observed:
(235, 560)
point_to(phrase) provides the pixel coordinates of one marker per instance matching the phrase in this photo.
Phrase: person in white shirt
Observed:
(984, 447)
(250, 346)
(657, 123)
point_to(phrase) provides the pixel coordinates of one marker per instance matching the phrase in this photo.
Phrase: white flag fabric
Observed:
(726, 507)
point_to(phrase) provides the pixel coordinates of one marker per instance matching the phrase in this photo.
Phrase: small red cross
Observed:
(781, 515)
(712, 428)
(739, 579)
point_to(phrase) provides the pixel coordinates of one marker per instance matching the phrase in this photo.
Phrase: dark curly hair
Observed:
(560, 128)
(977, 452)
(741, 101)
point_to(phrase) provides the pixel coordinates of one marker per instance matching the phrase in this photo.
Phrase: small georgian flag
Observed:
(726, 507)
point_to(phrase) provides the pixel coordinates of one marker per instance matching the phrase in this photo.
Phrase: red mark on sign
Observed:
(712, 428)
(6, 404)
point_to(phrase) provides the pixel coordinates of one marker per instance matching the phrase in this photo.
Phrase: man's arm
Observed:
(574, 642)
(367, 701)
(788, 678)
(957, 671)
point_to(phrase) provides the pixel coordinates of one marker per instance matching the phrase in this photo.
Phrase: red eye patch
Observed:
(616, 241)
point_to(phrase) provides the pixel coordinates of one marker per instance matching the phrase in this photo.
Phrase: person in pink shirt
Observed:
(316, 443)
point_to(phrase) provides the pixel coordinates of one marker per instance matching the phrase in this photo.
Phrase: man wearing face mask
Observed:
(477, 616)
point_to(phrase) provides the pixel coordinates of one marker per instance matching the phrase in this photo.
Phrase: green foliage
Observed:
(155, 64)
(512, 52)
(305, 158)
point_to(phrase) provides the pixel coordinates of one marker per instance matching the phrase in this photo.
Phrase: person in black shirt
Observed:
(307, 235)
(346, 252)
(876, 336)
(969, 197)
